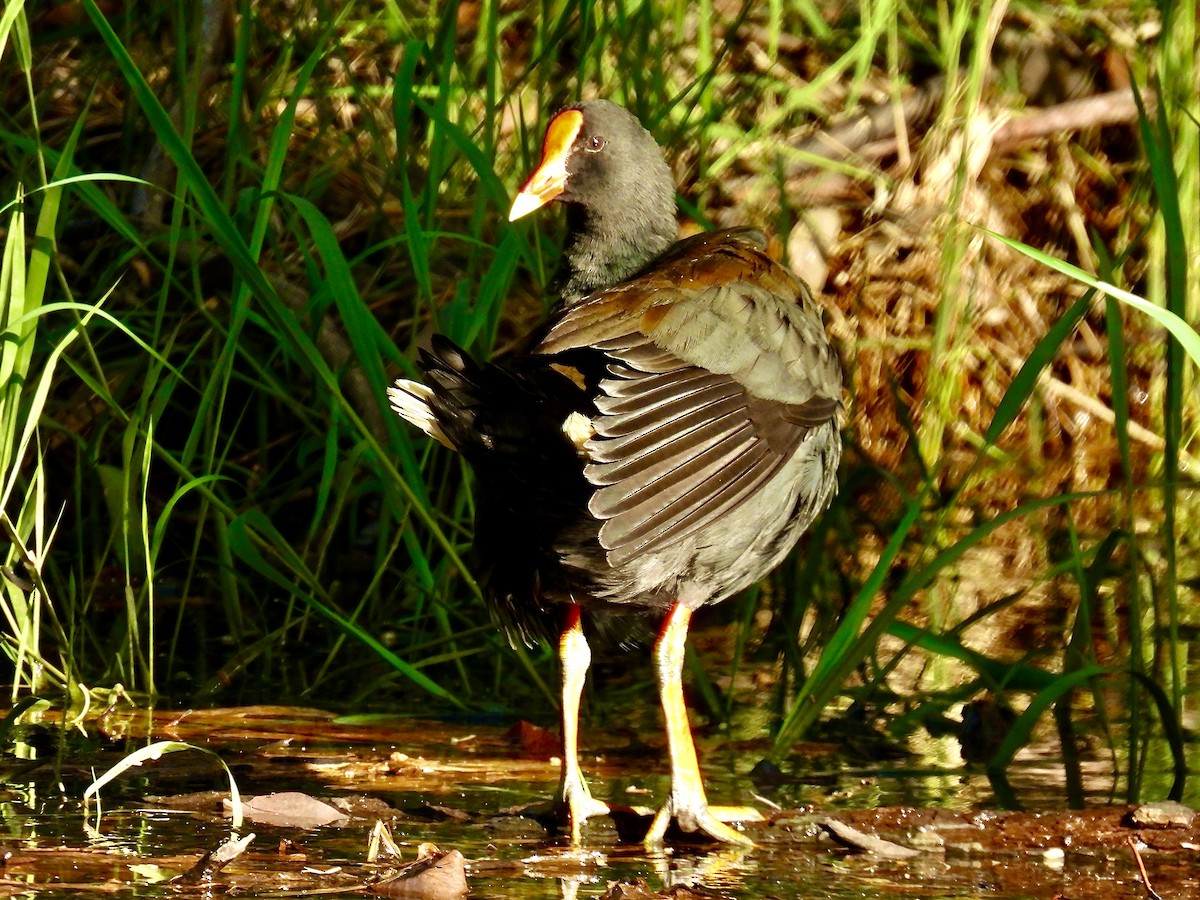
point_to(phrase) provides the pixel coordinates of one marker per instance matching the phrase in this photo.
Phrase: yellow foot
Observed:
(699, 816)
(573, 806)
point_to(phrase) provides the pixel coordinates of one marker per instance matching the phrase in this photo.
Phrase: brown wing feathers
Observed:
(676, 445)
(673, 451)
(694, 412)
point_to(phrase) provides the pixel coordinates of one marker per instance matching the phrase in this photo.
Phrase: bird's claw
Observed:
(692, 817)
(574, 805)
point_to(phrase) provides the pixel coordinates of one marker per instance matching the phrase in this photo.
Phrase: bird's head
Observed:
(598, 155)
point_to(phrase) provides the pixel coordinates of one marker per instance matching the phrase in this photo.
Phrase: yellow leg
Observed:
(687, 803)
(574, 802)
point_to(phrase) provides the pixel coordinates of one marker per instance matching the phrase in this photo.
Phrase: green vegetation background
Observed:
(229, 225)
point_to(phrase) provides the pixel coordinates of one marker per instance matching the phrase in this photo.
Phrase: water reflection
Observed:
(460, 795)
(722, 869)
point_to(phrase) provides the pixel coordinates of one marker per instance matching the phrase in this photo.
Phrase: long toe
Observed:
(729, 814)
(575, 806)
(693, 817)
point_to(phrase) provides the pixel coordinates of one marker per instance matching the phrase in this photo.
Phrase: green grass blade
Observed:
(1011, 676)
(847, 648)
(250, 531)
(1179, 329)
(154, 752)
(1158, 145)
(1018, 734)
(1025, 381)
(1172, 730)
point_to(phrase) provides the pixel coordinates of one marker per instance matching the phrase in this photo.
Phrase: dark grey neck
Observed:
(605, 250)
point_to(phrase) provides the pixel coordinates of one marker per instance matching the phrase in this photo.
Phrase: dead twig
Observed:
(211, 863)
(1137, 858)
(1087, 403)
(875, 124)
(1111, 108)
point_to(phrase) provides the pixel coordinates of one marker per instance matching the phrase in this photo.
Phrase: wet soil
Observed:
(322, 795)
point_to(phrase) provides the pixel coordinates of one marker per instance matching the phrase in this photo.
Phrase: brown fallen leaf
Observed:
(625, 890)
(433, 875)
(291, 809)
(536, 742)
(868, 843)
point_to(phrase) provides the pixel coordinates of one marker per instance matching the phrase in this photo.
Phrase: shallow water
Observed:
(463, 786)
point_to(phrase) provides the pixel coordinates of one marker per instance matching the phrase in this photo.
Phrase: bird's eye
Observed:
(595, 144)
